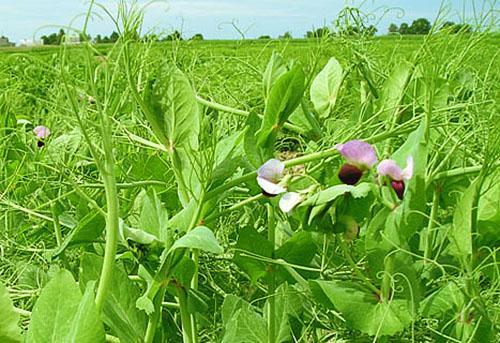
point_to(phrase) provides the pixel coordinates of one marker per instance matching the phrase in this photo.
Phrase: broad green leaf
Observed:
(87, 324)
(9, 330)
(62, 315)
(250, 242)
(363, 311)
(246, 326)
(443, 300)
(201, 238)
(283, 99)
(176, 119)
(461, 232)
(275, 68)
(120, 313)
(252, 151)
(231, 304)
(154, 217)
(325, 88)
(394, 89)
(489, 211)
(127, 233)
(332, 193)
(87, 231)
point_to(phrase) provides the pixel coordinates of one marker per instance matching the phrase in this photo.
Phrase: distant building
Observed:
(30, 42)
(72, 39)
(4, 41)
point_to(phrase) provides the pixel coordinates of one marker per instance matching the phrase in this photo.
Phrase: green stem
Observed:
(112, 217)
(387, 278)
(187, 329)
(357, 271)
(429, 233)
(271, 289)
(227, 109)
(155, 317)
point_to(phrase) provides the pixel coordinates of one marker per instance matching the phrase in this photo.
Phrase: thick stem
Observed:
(387, 278)
(187, 328)
(271, 289)
(155, 317)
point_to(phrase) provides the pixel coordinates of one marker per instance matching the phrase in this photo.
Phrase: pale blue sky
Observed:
(23, 18)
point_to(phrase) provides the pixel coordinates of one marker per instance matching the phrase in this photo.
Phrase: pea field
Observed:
(339, 189)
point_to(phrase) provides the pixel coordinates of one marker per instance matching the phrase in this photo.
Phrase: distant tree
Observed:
(60, 36)
(114, 37)
(404, 29)
(421, 26)
(84, 38)
(265, 37)
(451, 27)
(197, 36)
(319, 33)
(286, 35)
(176, 35)
(393, 28)
(371, 30)
(98, 39)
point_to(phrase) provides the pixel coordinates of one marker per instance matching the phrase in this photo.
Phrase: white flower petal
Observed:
(289, 200)
(407, 173)
(270, 187)
(272, 170)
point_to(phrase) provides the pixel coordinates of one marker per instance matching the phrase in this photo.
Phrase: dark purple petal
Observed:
(350, 174)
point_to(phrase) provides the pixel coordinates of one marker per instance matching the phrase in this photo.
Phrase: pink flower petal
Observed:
(408, 171)
(390, 169)
(41, 132)
(358, 153)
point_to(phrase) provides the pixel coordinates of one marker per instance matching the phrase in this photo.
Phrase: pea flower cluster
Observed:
(361, 157)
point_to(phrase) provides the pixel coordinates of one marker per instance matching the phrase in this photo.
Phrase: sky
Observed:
(219, 19)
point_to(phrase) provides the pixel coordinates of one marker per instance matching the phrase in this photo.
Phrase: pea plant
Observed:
(346, 202)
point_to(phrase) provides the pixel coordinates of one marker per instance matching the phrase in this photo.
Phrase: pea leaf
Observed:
(62, 315)
(274, 69)
(363, 311)
(394, 89)
(201, 238)
(325, 88)
(119, 312)
(9, 331)
(283, 99)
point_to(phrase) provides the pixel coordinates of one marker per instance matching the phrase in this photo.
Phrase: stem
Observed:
(112, 218)
(271, 289)
(227, 109)
(429, 234)
(187, 329)
(155, 317)
(387, 278)
(357, 271)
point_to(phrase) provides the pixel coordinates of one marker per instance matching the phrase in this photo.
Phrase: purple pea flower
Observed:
(360, 156)
(42, 133)
(268, 177)
(396, 175)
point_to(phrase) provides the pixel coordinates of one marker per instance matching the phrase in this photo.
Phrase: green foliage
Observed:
(325, 88)
(9, 329)
(61, 314)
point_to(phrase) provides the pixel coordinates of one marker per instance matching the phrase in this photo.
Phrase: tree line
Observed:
(420, 26)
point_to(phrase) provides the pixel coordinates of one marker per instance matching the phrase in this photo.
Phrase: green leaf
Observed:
(62, 315)
(87, 324)
(176, 119)
(154, 217)
(284, 98)
(9, 331)
(119, 312)
(325, 88)
(246, 326)
(87, 231)
(127, 233)
(251, 242)
(252, 152)
(393, 90)
(461, 230)
(201, 238)
(363, 311)
(274, 69)
(332, 193)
